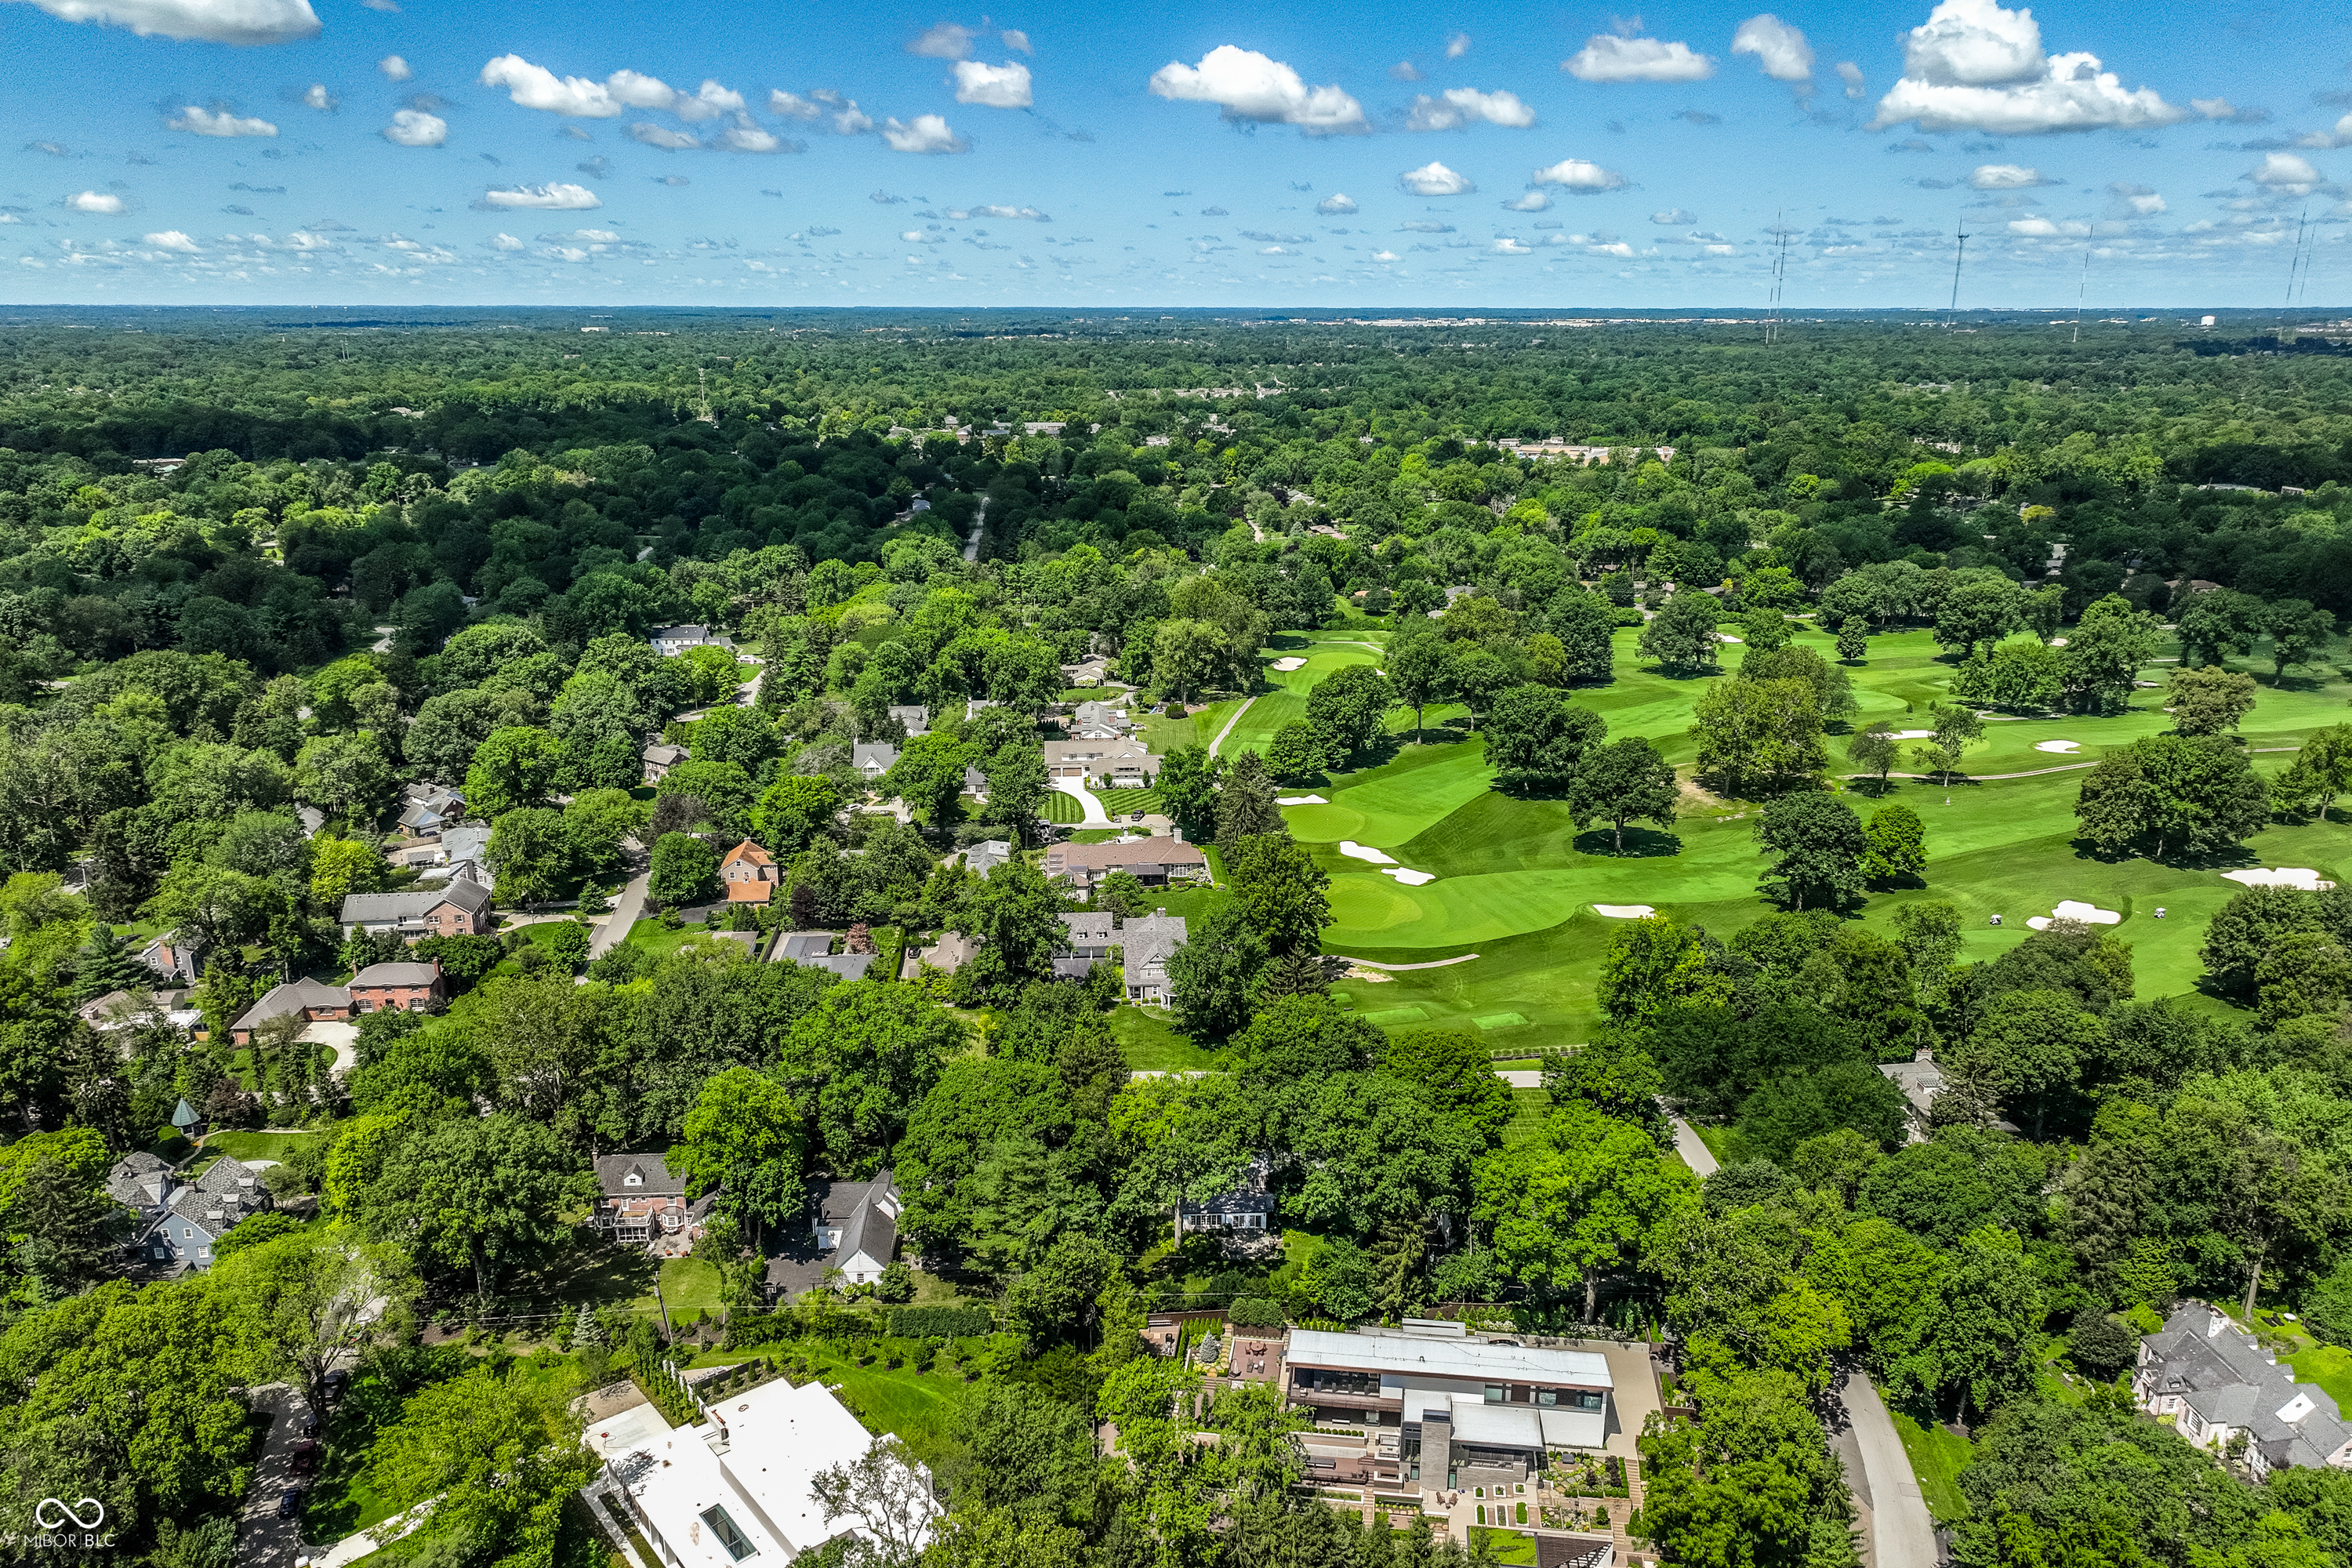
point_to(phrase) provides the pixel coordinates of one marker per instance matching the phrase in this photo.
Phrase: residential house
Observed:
(669, 640)
(427, 808)
(178, 1221)
(1434, 1401)
(1119, 764)
(986, 856)
(852, 1228)
(740, 1487)
(972, 705)
(952, 953)
(178, 962)
(1146, 945)
(312, 1001)
(1240, 1210)
(848, 965)
(659, 759)
(975, 785)
(2222, 1387)
(1921, 1081)
(915, 716)
(1155, 861)
(1087, 940)
(462, 908)
(466, 841)
(1086, 672)
(127, 1009)
(750, 873)
(401, 988)
(639, 1198)
(872, 758)
(802, 946)
(314, 820)
(1099, 721)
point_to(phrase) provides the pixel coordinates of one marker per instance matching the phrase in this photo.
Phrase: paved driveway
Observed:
(264, 1540)
(1902, 1533)
(627, 910)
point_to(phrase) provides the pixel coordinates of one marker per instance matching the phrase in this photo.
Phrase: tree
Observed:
(1754, 733)
(480, 1193)
(1898, 845)
(2026, 1044)
(1298, 752)
(1614, 1076)
(1764, 629)
(1682, 637)
(55, 1217)
(746, 1138)
(1380, 1155)
(311, 1300)
(794, 812)
(1852, 637)
(1056, 1302)
(2217, 625)
(2208, 701)
(1245, 806)
(532, 852)
(1754, 1484)
(2027, 675)
(596, 822)
(684, 870)
(1349, 710)
(2299, 633)
(1018, 786)
(885, 1491)
(1536, 737)
(1476, 676)
(2320, 771)
(340, 867)
(1971, 1345)
(1653, 964)
(497, 1454)
(1821, 845)
(1872, 749)
(1586, 628)
(1186, 655)
(1187, 787)
(865, 1056)
(1280, 890)
(511, 767)
(1015, 914)
(2104, 657)
(721, 791)
(1593, 1194)
(1977, 613)
(929, 776)
(2193, 795)
(1416, 664)
(1623, 781)
(1453, 1069)
(1211, 976)
(344, 776)
(1957, 729)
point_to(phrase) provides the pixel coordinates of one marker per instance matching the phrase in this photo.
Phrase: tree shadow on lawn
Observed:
(1641, 844)
(589, 1268)
(2236, 857)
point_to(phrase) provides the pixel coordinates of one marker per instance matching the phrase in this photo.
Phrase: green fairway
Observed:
(1517, 882)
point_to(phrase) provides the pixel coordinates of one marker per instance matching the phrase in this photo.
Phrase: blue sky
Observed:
(1277, 153)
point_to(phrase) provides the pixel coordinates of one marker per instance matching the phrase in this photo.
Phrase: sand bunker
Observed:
(1409, 877)
(1625, 911)
(1910, 734)
(2057, 745)
(1370, 976)
(2302, 877)
(1286, 665)
(2057, 642)
(1725, 636)
(2077, 910)
(1349, 847)
(1300, 800)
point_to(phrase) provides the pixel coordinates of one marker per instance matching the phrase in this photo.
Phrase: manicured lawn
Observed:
(252, 1146)
(1154, 1044)
(1530, 1106)
(1064, 809)
(1515, 880)
(919, 1406)
(1512, 1546)
(1937, 1458)
(689, 1285)
(1120, 802)
(2330, 1366)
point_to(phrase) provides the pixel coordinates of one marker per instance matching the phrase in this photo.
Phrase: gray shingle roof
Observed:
(396, 974)
(290, 997)
(655, 1178)
(376, 909)
(1150, 939)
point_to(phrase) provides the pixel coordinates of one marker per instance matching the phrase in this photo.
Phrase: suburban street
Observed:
(263, 1539)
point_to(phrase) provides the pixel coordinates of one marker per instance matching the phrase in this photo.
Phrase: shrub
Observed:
(942, 1322)
(1254, 1312)
(2327, 1311)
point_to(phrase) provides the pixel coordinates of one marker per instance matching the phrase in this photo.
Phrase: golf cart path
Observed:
(2035, 773)
(1400, 968)
(1218, 743)
(1096, 817)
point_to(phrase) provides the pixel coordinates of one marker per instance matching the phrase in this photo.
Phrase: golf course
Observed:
(1515, 882)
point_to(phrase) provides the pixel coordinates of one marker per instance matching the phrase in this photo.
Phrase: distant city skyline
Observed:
(250, 152)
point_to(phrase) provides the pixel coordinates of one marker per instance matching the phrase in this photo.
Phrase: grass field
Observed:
(250, 1146)
(1064, 809)
(1937, 1458)
(1153, 1044)
(1516, 882)
(2330, 1366)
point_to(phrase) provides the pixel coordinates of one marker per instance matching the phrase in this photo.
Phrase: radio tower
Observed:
(1960, 250)
(2080, 292)
(1780, 275)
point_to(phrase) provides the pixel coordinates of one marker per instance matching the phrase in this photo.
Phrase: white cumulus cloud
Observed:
(1017, 40)
(2133, 201)
(749, 138)
(923, 133)
(1607, 56)
(1513, 247)
(95, 202)
(505, 242)
(946, 41)
(2046, 229)
(1672, 218)
(662, 136)
(1435, 179)
(2005, 177)
(1779, 49)
(1250, 87)
(219, 123)
(211, 21)
(992, 86)
(173, 240)
(2339, 137)
(1336, 204)
(555, 197)
(536, 87)
(793, 105)
(1577, 174)
(1461, 105)
(1850, 74)
(395, 67)
(318, 98)
(2284, 172)
(415, 128)
(1974, 64)
(1533, 201)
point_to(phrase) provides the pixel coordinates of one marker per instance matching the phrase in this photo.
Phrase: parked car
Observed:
(339, 1382)
(306, 1458)
(289, 1503)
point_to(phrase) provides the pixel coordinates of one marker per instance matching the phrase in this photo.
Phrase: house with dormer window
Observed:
(639, 1198)
(179, 1221)
(2220, 1387)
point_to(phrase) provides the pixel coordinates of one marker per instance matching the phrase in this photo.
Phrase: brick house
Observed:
(403, 987)
(639, 1198)
(308, 1000)
(460, 908)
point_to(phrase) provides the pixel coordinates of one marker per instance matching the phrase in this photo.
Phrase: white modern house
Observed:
(742, 1484)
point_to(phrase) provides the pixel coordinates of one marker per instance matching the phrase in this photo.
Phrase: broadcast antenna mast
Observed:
(2080, 292)
(1780, 275)
(1959, 249)
(2296, 261)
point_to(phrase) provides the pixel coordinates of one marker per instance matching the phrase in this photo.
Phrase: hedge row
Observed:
(942, 1322)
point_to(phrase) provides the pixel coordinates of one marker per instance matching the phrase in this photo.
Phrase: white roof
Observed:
(1573, 1429)
(1496, 1425)
(1413, 1356)
(776, 1437)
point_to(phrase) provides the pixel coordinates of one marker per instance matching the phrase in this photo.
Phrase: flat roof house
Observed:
(1155, 861)
(1434, 1401)
(460, 908)
(741, 1487)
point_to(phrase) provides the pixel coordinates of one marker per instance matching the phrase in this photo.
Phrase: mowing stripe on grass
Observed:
(1498, 1020)
(1394, 1016)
